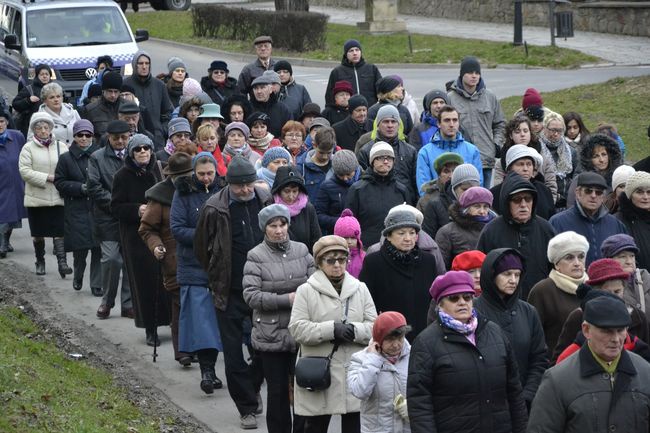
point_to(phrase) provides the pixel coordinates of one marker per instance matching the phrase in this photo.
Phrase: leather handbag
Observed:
(313, 372)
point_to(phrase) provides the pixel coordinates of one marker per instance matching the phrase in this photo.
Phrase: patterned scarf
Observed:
(458, 326)
(231, 152)
(561, 155)
(169, 147)
(296, 207)
(261, 143)
(45, 142)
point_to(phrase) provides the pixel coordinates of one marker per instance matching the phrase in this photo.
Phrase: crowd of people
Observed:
(454, 270)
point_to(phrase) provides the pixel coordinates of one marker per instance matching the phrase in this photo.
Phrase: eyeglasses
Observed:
(519, 199)
(84, 135)
(141, 148)
(182, 135)
(219, 72)
(555, 130)
(293, 135)
(467, 297)
(385, 158)
(339, 260)
(590, 191)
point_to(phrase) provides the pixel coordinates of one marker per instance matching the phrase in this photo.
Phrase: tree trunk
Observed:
(292, 5)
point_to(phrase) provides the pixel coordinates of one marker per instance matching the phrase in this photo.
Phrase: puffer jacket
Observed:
(376, 382)
(63, 123)
(35, 163)
(272, 272)
(188, 200)
(481, 118)
(313, 174)
(454, 386)
(459, 235)
(576, 396)
(530, 238)
(316, 307)
(330, 202)
(518, 320)
(363, 77)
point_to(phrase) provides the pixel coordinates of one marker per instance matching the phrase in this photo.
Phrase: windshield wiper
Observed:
(77, 44)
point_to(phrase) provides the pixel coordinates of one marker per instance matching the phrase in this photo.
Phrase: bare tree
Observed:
(292, 5)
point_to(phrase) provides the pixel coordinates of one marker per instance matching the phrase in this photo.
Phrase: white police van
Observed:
(66, 35)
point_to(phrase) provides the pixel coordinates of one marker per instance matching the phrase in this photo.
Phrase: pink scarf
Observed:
(296, 207)
(355, 261)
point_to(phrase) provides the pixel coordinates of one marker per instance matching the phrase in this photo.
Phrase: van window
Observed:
(66, 27)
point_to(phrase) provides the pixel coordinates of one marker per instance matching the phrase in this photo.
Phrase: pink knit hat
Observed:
(191, 87)
(347, 226)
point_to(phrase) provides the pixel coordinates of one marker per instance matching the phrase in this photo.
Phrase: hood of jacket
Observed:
(488, 275)
(441, 143)
(613, 152)
(186, 185)
(513, 182)
(134, 64)
(457, 87)
(400, 131)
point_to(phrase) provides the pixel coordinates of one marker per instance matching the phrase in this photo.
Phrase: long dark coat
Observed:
(70, 177)
(129, 187)
(637, 222)
(102, 166)
(12, 186)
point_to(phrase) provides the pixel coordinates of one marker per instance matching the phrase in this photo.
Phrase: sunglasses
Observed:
(84, 135)
(339, 260)
(141, 148)
(526, 198)
(467, 297)
(596, 191)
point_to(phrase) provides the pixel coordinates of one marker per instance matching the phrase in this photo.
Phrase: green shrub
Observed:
(295, 31)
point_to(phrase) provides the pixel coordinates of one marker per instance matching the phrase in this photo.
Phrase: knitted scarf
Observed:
(467, 329)
(355, 261)
(46, 142)
(401, 257)
(566, 283)
(561, 153)
(266, 175)
(231, 152)
(294, 208)
(261, 143)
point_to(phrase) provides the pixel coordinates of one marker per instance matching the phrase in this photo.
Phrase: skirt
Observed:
(197, 325)
(46, 222)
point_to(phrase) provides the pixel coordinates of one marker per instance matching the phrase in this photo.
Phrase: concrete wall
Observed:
(618, 17)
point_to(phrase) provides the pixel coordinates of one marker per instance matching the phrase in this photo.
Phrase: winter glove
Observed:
(400, 407)
(84, 189)
(343, 332)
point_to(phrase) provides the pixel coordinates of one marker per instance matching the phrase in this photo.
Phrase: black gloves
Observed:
(343, 332)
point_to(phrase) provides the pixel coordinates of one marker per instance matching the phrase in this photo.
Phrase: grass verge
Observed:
(42, 390)
(177, 26)
(624, 102)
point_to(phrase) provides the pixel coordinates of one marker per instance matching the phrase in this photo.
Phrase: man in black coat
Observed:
(151, 93)
(105, 109)
(349, 130)
(520, 228)
(266, 101)
(102, 166)
(353, 68)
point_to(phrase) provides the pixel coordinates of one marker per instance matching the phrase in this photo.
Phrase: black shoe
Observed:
(10, 248)
(218, 384)
(207, 381)
(185, 361)
(152, 340)
(77, 284)
(39, 251)
(40, 268)
(97, 291)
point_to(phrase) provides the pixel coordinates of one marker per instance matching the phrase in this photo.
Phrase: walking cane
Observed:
(155, 312)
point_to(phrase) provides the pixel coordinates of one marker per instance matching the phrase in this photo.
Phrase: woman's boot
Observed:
(10, 249)
(59, 251)
(3, 245)
(39, 251)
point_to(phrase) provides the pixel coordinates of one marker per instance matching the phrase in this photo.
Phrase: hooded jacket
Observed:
(544, 207)
(530, 238)
(152, 93)
(518, 320)
(371, 198)
(313, 174)
(330, 202)
(363, 77)
(436, 147)
(481, 118)
(459, 235)
(36, 162)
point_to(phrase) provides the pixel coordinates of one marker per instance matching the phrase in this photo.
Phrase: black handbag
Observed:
(313, 372)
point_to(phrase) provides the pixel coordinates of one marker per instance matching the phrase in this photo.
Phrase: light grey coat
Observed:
(270, 275)
(376, 382)
(316, 307)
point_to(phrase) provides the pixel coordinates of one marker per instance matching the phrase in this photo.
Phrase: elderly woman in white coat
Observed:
(63, 114)
(37, 164)
(273, 271)
(331, 307)
(377, 376)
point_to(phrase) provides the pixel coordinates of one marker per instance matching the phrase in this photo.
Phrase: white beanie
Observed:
(419, 216)
(621, 174)
(639, 179)
(381, 148)
(519, 151)
(565, 243)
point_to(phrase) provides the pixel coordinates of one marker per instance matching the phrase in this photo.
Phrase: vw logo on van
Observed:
(91, 73)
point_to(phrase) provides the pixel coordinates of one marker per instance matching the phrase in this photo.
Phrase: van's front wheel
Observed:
(157, 5)
(176, 5)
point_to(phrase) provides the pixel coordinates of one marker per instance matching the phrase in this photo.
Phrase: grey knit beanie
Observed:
(399, 219)
(464, 173)
(139, 140)
(270, 212)
(344, 162)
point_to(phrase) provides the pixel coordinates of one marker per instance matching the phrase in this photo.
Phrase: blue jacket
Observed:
(596, 229)
(437, 146)
(330, 201)
(12, 186)
(312, 174)
(188, 200)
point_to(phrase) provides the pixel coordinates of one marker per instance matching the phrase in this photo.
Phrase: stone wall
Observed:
(618, 17)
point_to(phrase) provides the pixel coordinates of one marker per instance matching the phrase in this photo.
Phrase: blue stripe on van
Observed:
(80, 62)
